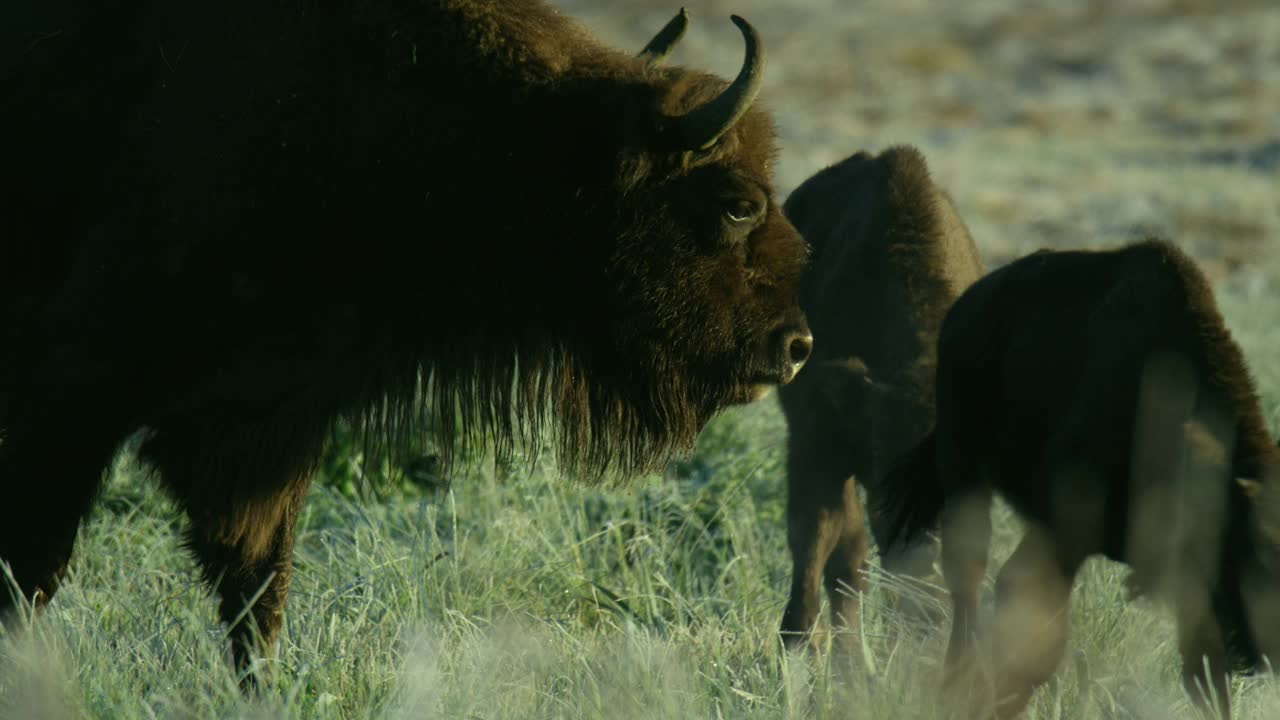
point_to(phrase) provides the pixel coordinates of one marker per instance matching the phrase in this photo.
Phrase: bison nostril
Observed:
(799, 348)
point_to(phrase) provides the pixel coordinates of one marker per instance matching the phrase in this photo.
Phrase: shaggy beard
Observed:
(605, 422)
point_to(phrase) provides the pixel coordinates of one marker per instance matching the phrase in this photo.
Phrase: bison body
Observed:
(1101, 395)
(228, 225)
(890, 254)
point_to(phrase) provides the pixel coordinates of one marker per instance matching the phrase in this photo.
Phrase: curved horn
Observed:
(665, 41)
(701, 127)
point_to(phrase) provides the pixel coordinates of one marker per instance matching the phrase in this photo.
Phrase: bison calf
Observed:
(890, 256)
(1100, 394)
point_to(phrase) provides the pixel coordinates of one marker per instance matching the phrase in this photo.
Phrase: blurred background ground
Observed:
(514, 594)
(1055, 123)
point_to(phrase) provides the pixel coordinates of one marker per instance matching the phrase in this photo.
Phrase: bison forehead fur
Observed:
(231, 225)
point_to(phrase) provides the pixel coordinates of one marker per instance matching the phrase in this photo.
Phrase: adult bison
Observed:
(229, 225)
(890, 255)
(1101, 395)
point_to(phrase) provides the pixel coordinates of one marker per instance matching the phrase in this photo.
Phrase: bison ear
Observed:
(665, 41)
(1251, 488)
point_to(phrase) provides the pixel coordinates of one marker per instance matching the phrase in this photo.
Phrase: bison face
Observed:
(707, 267)
(707, 271)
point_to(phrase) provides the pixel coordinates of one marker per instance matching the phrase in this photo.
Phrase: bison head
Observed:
(706, 267)
(645, 276)
(701, 267)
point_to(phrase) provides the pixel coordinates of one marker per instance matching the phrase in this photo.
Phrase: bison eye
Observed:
(742, 211)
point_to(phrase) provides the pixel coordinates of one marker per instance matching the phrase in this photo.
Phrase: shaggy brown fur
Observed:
(228, 225)
(890, 256)
(1101, 395)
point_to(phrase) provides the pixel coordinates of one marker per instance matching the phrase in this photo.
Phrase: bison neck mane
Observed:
(507, 336)
(535, 392)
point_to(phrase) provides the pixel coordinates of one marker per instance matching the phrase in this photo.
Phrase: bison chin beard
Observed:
(632, 421)
(609, 416)
(751, 390)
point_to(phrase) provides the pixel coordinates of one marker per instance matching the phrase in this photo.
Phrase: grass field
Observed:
(517, 594)
(520, 595)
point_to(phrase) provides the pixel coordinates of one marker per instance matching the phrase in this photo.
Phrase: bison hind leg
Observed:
(1031, 627)
(242, 490)
(246, 554)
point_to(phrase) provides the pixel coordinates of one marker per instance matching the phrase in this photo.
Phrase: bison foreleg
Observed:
(48, 482)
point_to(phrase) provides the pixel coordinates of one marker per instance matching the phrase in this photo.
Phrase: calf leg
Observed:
(846, 566)
(1032, 621)
(242, 490)
(816, 523)
(1203, 651)
(966, 541)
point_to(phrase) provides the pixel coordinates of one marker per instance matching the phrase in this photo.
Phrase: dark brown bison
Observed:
(227, 226)
(1101, 395)
(890, 255)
